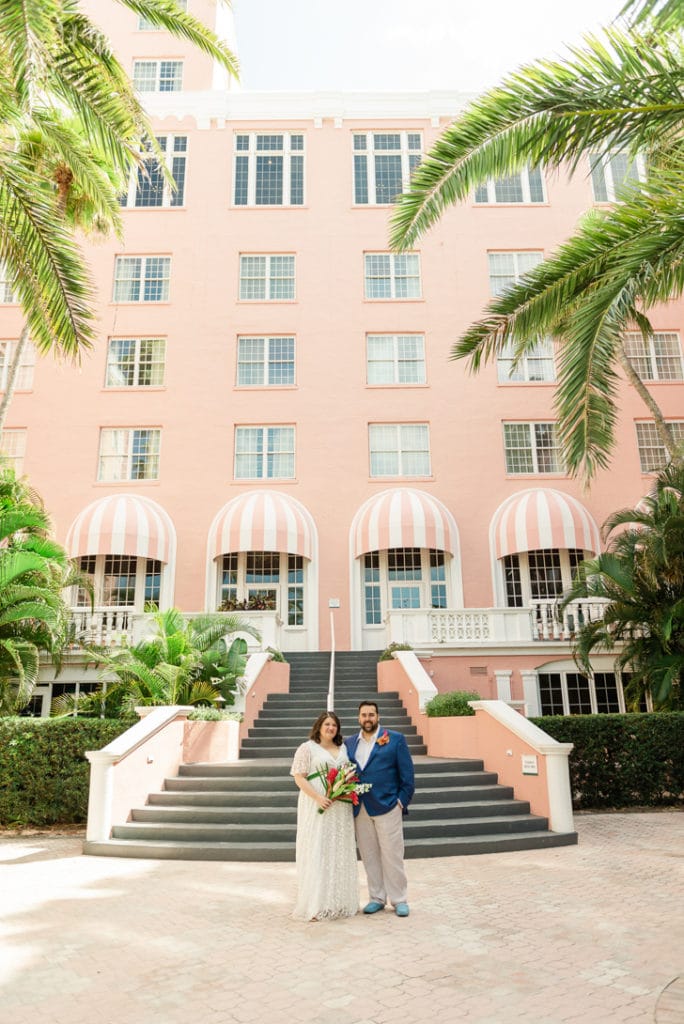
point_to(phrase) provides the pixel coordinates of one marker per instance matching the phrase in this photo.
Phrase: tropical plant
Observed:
(641, 576)
(183, 661)
(621, 92)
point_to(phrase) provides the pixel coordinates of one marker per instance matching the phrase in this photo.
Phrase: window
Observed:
(148, 187)
(6, 294)
(263, 581)
(536, 365)
(506, 268)
(13, 449)
(269, 170)
(572, 693)
(399, 449)
(532, 448)
(265, 362)
(142, 278)
(120, 581)
(610, 171)
(24, 378)
(525, 187)
(144, 25)
(129, 454)
(158, 75)
(392, 276)
(540, 575)
(371, 589)
(135, 362)
(264, 453)
(383, 164)
(395, 358)
(403, 579)
(656, 358)
(652, 452)
(267, 278)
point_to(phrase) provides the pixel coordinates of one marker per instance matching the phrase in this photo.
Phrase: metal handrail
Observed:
(331, 678)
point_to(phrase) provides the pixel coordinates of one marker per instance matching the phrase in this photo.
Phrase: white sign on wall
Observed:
(529, 764)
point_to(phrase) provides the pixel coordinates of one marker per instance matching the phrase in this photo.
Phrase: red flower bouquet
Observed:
(340, 783)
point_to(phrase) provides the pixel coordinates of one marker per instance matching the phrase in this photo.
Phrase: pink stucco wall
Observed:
(273, 678)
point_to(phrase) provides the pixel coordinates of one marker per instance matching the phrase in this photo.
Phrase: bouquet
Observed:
(340, 783)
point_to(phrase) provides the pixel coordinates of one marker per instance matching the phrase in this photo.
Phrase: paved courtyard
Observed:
(593, 933)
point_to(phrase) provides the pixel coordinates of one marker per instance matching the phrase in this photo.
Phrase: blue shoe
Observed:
(374, 906)
(401, 910)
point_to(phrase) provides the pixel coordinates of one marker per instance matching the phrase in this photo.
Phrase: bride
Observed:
(327, 875)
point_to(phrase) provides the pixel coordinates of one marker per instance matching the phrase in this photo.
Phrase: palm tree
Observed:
(623, 92)
(185, 661)
(641, 575)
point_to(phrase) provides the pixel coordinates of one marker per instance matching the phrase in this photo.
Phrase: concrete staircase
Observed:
(248, 811)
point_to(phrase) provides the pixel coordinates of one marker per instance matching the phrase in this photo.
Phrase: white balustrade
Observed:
(549, 623)
(103, 627)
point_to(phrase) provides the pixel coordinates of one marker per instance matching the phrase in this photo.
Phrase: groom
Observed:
(383, 760)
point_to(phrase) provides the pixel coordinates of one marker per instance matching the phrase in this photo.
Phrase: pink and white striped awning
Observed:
(543, 518)
(262, 521)
(403, 518)
(122, 524)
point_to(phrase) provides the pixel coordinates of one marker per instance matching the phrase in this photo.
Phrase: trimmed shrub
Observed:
(44, 774)
(449, 705)
(214, 715)
(623, 760)
(386, 655)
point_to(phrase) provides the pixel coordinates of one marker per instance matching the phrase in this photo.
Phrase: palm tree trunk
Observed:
(12, 373)
(660, 424)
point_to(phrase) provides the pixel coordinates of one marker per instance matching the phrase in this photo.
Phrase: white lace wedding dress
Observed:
(327, 873)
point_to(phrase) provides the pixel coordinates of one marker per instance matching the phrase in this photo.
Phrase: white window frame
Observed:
(533, 448)
(652, 444)
(393, 263)
(591, 680)
(13, 448)
(269, 276)
(396, 360)
(400, 450)
(410, 158)
(268, 341)
(146, 26)
(605, 162)
(264, 454)
(486, 193)
(380, 587)
(79, 600)
(643, 354)
(284, 589)
(127, 455)
(170, 196)
(6, 293)
(145, 262)
(522, 263)
(286, 153)
(521, 562)
(137, 364)
(542, 353)
(24, 378)
(158, 64)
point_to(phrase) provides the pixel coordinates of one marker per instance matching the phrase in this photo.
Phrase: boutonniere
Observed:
(382, 740)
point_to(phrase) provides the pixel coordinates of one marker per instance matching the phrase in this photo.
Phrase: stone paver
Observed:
(591, 934)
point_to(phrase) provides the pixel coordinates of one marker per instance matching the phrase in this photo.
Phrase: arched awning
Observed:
(403, 518)
(262, 521)
(122, 524)
(543, 518)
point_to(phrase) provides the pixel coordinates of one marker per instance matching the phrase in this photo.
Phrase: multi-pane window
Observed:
(142, 278)
(6, 294)
(383, 163)
(266, 361)
(399, 449)
(148, 185)
(656, 358)
(532, 448)
(395, 358)
(24, 379)
(536, 365)
(269, 170)
(263, 581)
(652, 452)
(267, 278)
(572, 693)
(506, 268)
(610, 172)
(264, 453)
(13, 449)
(145, 25)
(158, 75)
(295, 590)
(135, 362)
(372, 595)
(539, 575)
(129, 453)
(524, 187)
(512, 581)
(403, 579)
(120, 581)
(391, 275)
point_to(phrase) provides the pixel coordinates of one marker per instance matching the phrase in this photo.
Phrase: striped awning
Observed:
(543, 518)
(262, 521)
(122, 524)
(403, 518)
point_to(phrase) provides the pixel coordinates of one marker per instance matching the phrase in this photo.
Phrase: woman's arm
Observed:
(308, 789)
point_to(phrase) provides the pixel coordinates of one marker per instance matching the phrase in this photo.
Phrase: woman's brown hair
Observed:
(315, 733)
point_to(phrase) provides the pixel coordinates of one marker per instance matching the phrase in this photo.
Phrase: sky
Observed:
(395, 45)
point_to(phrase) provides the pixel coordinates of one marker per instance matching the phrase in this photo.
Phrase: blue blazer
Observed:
(390, 772)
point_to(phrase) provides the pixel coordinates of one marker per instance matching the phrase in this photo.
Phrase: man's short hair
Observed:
(369, 704)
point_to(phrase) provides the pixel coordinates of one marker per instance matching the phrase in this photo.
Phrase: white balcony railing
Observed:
(549, 623)
(107, 627)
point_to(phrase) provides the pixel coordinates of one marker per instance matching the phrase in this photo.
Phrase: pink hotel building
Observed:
(269, 413)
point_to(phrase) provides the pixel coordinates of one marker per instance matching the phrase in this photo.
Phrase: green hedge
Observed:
(623, 760)
(451, 704)
(44, 774)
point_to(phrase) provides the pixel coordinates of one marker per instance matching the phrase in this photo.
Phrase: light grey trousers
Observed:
(381, 845)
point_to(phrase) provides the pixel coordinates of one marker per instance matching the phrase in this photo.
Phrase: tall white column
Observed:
(531, 691)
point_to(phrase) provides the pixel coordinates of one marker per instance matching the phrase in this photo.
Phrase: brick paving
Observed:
(591, 934)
